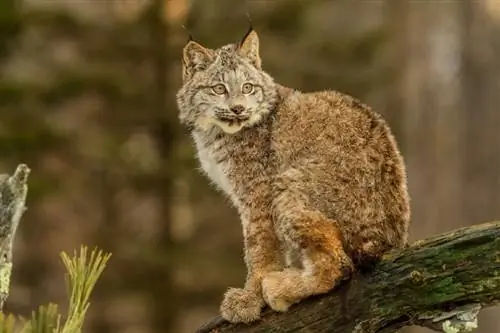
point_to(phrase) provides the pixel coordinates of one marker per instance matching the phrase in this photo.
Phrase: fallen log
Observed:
(440, 283)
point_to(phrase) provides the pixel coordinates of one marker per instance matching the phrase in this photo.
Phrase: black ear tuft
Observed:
(250, 29)
(190, 37)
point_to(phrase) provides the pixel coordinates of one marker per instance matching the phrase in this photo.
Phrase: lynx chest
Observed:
(216, 171)
(232, 164)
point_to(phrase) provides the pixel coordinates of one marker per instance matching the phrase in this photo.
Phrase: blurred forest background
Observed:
(87, 92)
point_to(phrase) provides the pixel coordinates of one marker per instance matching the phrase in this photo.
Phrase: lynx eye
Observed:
(247, 88)
(219, 89)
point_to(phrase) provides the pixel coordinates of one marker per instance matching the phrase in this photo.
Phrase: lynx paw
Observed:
(241, 306)
(274, 291)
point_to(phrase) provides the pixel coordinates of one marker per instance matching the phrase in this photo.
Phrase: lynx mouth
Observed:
(230, 125)
(234, 120)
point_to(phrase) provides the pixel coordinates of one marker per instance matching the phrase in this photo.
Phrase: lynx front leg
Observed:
(323, 259)
(261, 257)
(318, 241)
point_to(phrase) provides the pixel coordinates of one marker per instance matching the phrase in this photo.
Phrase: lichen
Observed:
(461, 326)
(417, 277)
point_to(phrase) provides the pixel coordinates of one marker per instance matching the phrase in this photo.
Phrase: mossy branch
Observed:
(440, 283)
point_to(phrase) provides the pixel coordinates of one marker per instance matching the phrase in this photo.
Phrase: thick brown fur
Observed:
(317, 178)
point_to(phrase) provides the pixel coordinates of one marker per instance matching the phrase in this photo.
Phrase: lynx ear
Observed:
(249, 47)
(195, 58)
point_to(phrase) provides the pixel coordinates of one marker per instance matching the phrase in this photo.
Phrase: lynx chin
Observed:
(317, 178)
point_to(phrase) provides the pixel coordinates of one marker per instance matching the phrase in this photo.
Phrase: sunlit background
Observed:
(87, 93)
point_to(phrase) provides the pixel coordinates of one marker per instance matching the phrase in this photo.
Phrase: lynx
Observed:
(317, 178)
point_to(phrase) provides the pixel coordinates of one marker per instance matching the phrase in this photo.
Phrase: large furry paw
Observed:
(274, 290)
(241, 306)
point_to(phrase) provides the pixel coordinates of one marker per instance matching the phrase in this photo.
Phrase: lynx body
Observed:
(317, 178)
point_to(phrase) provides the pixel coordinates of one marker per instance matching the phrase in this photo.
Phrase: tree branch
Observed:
(440, 283)
(13, 191)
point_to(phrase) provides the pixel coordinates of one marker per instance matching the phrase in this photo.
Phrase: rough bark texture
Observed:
(435, 283)
(13, 190)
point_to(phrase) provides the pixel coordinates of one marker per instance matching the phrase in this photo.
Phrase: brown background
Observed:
(87, 100)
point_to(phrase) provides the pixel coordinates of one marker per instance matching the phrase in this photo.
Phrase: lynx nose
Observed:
(237, 109)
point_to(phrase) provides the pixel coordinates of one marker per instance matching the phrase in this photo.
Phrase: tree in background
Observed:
(87, 100)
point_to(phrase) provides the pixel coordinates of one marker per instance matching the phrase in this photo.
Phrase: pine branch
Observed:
(7, 323)
(83, 272)
(440, 283)
(13, 191)
(45, 320)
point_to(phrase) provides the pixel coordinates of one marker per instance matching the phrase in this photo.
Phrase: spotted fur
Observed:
(317, 178)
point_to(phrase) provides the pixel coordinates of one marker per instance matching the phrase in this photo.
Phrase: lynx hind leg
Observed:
(375, 239)
(322, 255)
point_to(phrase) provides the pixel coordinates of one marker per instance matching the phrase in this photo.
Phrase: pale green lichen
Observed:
(463, 321)
(449, 328)
(417, 277)
(5, 272)
(456, 327)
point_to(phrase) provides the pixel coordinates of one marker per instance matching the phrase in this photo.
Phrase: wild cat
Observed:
(317, 178)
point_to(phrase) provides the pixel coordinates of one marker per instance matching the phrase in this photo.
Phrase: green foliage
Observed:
(45, 320)
(7, 323)
(83, 270)
(82, 276)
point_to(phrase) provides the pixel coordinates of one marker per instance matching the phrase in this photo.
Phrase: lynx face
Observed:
(225, 87)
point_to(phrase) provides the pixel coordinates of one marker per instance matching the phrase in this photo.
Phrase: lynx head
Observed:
(225, 87)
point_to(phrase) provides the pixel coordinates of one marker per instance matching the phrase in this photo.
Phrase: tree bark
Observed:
(440, 283)
(13, 191)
